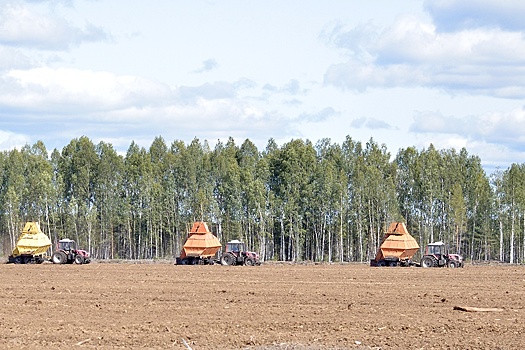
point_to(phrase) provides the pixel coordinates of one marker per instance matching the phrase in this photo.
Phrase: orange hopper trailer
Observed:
(398, 247)
(200, 247)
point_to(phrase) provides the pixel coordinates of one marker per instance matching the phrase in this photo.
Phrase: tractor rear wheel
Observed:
(428, 261)
(228, 259)
(59, 258)
(79, 259)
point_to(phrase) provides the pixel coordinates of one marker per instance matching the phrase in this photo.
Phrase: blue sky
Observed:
(403, 72)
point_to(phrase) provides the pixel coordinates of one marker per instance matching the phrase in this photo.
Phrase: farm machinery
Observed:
(397, 249)
(437, 255)
(67, 253)
(202, 248)
(32, 245)
(236, 254)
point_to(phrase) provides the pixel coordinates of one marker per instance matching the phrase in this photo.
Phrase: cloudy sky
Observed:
(403, 72)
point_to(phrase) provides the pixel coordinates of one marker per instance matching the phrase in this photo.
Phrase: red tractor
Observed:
(236, 254)
(67, 253)
(437, 255)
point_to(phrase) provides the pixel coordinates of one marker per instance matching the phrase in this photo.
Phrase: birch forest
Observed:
(322, 202)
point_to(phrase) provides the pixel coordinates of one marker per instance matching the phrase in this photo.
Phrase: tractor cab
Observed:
(67, 245)
(235, 246)
(437, 249)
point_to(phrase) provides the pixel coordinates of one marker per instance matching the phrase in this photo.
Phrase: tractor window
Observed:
(68, 245)
(232, 247)
(434, 249)
(235, 247)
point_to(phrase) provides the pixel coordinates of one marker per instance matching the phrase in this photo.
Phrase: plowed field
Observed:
(273, 306)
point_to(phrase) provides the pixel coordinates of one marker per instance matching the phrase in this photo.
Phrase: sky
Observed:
(404, 73)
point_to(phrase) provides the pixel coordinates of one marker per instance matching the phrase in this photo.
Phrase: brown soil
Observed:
(273, 306)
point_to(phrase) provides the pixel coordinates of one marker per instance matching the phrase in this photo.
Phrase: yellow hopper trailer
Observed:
(32, 245)
(398, 247)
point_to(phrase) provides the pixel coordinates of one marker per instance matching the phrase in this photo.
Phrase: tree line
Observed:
(295, 202)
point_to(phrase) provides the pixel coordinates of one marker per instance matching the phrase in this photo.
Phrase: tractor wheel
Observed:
(249, 262)
(452, 264)
(428, 261)
(228, 259)
(79, 259)
(59, 258)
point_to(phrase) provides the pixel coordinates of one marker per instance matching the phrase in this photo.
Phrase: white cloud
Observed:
(319, 116)
(76, 102)
(205, 119)
(453, 15)
(411, 53)
(10, 140)
(210, 91)
(207, 66)
(12, 58)
(370, 123)
(23, 25)
(50, 90)
(435, 122)
(504, 128)
(292, 87)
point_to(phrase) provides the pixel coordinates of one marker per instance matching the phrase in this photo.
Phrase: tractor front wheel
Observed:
(228, 259)
(249, 262)
(59, 258)
(452, 264)
(79, 259)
